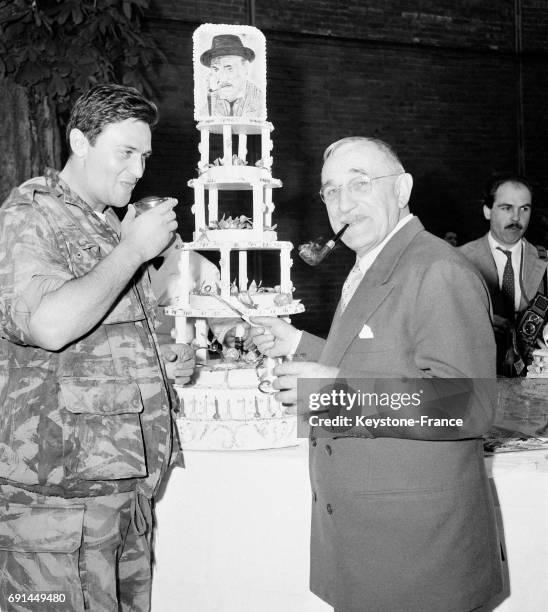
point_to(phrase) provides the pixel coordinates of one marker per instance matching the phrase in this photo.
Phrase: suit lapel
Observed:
(488, 267)
(371, 292)
(533, 271)
(347, 326)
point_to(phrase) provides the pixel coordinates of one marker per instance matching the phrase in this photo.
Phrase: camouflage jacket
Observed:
(95, 417)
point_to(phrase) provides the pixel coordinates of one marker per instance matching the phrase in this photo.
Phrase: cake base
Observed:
(224, 410)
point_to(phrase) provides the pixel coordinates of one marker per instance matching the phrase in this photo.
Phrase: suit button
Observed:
(314, 497)
(313, 441)
(329, 509)
(328, 450)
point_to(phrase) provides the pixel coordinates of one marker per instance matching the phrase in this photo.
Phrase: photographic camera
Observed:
(531, 324)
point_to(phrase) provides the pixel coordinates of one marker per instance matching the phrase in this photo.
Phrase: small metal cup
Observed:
(148, 203)
(265, 371)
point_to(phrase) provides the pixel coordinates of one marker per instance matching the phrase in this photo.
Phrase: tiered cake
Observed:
(224, 409)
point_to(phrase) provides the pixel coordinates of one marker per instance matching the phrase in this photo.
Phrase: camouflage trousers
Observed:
(75, 555)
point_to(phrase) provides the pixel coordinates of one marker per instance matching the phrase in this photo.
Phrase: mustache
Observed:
(353, 219)
(220, 86)
(514, 226)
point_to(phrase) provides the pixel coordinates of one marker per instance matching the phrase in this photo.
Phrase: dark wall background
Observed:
(458, 88)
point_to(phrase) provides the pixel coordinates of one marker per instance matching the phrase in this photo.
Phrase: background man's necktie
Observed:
(507, 289)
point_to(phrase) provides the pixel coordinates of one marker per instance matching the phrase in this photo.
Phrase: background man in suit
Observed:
(402, 518)
(509, 264)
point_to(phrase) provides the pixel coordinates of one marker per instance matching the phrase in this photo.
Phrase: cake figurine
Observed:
(230, 404)
(539, 365)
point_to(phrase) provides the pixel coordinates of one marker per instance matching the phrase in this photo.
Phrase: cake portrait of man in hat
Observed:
(230, 92)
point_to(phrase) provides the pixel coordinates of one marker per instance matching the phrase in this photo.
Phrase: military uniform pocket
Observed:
(41, 528)
(39, 548)
(104, 433)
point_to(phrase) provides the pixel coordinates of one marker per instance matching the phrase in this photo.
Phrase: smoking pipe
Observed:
(313, 254)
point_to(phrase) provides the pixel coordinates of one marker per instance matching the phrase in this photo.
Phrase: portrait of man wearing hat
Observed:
(230, 93)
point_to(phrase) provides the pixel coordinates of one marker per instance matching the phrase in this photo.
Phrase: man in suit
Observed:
(510, 265)
(402, 518)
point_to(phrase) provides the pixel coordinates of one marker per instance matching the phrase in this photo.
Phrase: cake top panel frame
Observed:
(229, 72)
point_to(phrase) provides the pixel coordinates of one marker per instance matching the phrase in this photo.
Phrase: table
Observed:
(521, 480)
(233, 532)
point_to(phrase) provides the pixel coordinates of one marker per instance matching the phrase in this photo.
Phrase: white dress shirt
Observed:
(367, 260)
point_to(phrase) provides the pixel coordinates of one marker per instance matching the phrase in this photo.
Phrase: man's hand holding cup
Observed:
(148, 233)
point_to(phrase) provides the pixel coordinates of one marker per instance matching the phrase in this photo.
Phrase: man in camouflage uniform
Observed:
(87, 434)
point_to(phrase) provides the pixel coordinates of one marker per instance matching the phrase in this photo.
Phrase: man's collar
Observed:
(364, 262)
(494, 244)
(56, 183)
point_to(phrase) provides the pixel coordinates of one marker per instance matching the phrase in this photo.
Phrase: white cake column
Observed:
(199, 208)
(242, 146)
(183, 296)
(224, 264)
(266, 147)
(180, 336)
(201, 339)
(204, 148)
(258, 209)
(184, 288)
(213, 205)
(285, 265)
(242, 270)
(227, 145)
(268, 206)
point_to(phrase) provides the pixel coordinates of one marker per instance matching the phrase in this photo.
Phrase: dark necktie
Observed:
(507, 289)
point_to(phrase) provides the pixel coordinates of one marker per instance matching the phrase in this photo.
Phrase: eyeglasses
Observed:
(357, 187)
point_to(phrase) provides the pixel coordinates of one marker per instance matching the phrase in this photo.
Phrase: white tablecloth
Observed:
(521, 480)
(233, 532)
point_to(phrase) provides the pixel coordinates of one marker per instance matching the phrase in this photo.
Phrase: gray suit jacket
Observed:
(400, 523)
(533, 269)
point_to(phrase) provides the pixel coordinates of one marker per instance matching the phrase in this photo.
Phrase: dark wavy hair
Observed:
(105, 104)
(490, 189)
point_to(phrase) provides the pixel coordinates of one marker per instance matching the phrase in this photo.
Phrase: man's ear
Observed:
(403, 187)
(487, 212)
(79, 144)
